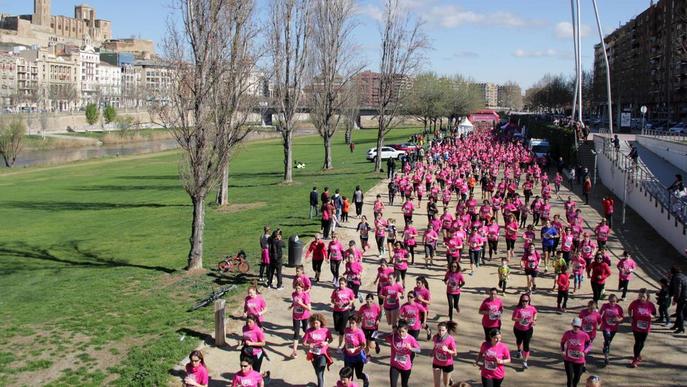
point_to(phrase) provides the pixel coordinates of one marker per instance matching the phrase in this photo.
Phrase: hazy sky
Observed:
(488, 40)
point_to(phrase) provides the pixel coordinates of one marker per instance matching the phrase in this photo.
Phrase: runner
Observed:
(253, 341)
(342, 299)
(579, 266)
(563, 284)
(354, 350)
(525, 317)
(504, 273)
(575, 345)
(530, 263)
(318, 250)
(410, 313)
(196, 370)
(493, 230)
(475, 243)
(370, 314)
(611, 317)
(409, 234)
(380, 232)
(402, 345)
(641, 312)
(254, 305)
(548, 241)
(358, 197)
(591, 320)
(391, 232)
(300, 306)
(363, 229)
(443, 351)
(491, 310)
(391, 295)
(384, 274)
(493, 355)
(454, 282)
(430, 241)
(316, 342)
(400, 261)
(334, 256)
(511, 236)
(247, 376)
(353, 273)
(408, 208)
(626, 266)
(424, 298)
(599, 271)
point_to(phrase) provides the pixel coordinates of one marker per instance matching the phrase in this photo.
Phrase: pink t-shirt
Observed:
(304, 281)
(339, 383)
(475, 241)
(250, 379)
(602, 233)
(369, 316)
(254, 305)
(454, 281)
(494, 308)
(254, 334)
(353, 271)
(335, 251)
(567, 242)
(299, 312)
(400, 353)
(392, 294)
(590, 322)
(524, 317)
(353, 339)
(341, 299)
(642, 313)
(400, 259)
(609, 314)
(493, 231)
(318, 340)
(626, 267)
(512, 231)
(490, 354)
(408, 208)
(409, 234)
(574, 346)
(384, 277)
(578, 265)
(425, 294)
(198, 373)
(441, 357)
(531, 260)
(410, 312)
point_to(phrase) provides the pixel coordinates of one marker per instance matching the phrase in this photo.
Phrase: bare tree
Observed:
(334, 67)
(681, 34)
(288, 44)
(11, 140)
(200, 103)
(403, 43)
(351, 110)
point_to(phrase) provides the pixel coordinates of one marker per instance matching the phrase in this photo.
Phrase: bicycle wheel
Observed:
(201, 304)
(244, 267)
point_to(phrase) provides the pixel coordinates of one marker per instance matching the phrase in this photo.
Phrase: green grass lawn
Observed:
(91, 252)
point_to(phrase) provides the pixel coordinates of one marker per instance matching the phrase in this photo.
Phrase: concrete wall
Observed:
(58, 122)
(672, 151)
(642, 202)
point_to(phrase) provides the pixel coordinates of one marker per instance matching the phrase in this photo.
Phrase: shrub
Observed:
(92, 114)
(110, 114)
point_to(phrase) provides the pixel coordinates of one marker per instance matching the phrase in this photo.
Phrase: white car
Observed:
(679, 128)
(387, 153)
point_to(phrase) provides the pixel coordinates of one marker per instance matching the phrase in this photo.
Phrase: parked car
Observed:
(679, 128)
(387, 153)
(406, 147)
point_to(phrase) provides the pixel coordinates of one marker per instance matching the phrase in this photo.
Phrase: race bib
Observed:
(494, 315)
(440, 356)
(401, 358)
(610, 321)
(642, 324)
(525, 321)
(298, 310)
(370, 323)
(490, 365)
(532, 265)
(316, 350)
(410, 321)
(587, 327)
(574, 354)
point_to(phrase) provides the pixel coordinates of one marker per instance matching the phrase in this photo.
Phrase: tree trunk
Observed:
(380, 143)
(195, 255)
(223, 191)
(287, 137)
(327, 152)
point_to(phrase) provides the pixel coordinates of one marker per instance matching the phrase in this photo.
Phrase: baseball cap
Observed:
(576, 322)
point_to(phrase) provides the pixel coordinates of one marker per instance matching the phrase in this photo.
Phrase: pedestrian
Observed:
(530, 263)
(391, 296)
(602, 232)
(400, 261)
(491, 310)
(343, 300)
(363, 229)
(380, 232)
(325, 196)
(504, 273)
(410, 313)
(641, 312)
(196, 370)
(678, 290)
(313, 203)
(571, 178)
(423, 297)
(390, 167)
(265, 255)
(663, 301)
(626, 266)
(316, 342)
(328, 217)
(301, 279)
(277, 246)
(511, 236)
(247, 376)
(575, 345)
(335, 257)
(586, 189)
(370, 314)
(493, 356)
(391, 234)
(443, 351)
(408, 207)
(353, 273)
(345, 209)
(525, 317)
(383, 278)
(611, 316)
(254, 305)
(476, 244)
(591, 320)
(402, 345)
(409, 235)
(253, 342)
(358, 198)
(607, 203)
(318, 250)
(337, 201)
(563, 284)
(599, 272)
(392, 188)
(634, 154)
(300, 313)
(354, 349)
(549, 235)
(454, 283)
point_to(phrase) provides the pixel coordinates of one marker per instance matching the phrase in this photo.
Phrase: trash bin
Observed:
(295, 251)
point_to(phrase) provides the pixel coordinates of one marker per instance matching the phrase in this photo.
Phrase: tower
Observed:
(41, 13)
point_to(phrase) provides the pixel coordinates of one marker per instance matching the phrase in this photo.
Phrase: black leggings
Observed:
(491, 382)
(510, 244)
(400, 274)
(297, 326)
(358, 367)
(453, 301)
(334, 268)
(562, 296)
(523, 338)
(640, 338)
(573, 371)
(358, 208)
(380, 243)
(411, 250)
(393, 377)
(492, 248)
(608, 337)
(319, 363)
(597, 289)
(622, 285)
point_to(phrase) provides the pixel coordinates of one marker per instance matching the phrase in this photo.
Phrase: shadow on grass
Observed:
(82, 258)
(95, 188)
(154, 177)
(84, 206)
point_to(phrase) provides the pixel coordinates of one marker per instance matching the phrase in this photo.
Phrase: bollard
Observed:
(220, 332)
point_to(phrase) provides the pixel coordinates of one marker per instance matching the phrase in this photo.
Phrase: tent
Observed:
(465, 126)
(485, 116)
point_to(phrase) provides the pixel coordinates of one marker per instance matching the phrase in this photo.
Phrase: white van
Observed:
(540, 147)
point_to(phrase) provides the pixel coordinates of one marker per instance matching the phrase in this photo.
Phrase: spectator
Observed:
(678, 290)
(390, 167)
(677, 185)
(571, 177)
(325, 195)
(313, 203)
(634, 154)
(608, 204)
(586, 189)
(616, 143)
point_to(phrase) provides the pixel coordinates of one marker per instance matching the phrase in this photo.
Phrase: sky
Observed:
(486, 40)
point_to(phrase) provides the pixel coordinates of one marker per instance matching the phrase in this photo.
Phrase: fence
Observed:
(637, 176)
(665, 135)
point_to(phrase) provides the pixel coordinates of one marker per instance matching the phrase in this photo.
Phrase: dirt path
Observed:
(663, 355)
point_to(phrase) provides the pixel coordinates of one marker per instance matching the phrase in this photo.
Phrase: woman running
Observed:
(493, 355)
(410, 313)
(354, 350)
(400, 260)
(575, 344)
(493, 230)
(511, 236)
(363, 229)
(391, 233)
(342, 300)
(254, 305)
(430, 241)
(611, 317)
(591, 319)
(491, 310)
(370, 314)
(626, 266)
(525, 317)
(423, 297)
(443, 351)
(641, 312)
(316, 342)
(391, 295)
(253, 341)
(335, 257)
(380, 232)
(302, 279)
(454, 282)
(409, 235)
(384, 274)
(530, 263)
(247, 376)
(300, 307)
(353, 273)
(402, 346)
(196, 371)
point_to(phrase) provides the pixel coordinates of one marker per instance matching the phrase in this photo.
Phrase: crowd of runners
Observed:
(482, 193)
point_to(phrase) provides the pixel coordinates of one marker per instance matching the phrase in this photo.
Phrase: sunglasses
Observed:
(526, 299)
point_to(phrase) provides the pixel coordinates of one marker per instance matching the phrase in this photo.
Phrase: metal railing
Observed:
(638, 176)
(665, 135)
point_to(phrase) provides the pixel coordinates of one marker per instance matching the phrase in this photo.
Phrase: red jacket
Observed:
(608, 205)
(599, 272)
(318, 250)
(563, 282)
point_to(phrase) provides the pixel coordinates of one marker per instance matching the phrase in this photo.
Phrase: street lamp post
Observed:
(625, 176)
(643, 110)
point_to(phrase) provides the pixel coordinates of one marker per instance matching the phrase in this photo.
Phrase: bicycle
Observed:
(235, 264)
(214, 296)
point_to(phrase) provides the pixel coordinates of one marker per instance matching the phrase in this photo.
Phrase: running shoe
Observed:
(517, 355)
(429, 333)
(524, 365)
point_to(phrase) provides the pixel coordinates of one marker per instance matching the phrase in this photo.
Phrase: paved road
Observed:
(664, 353)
